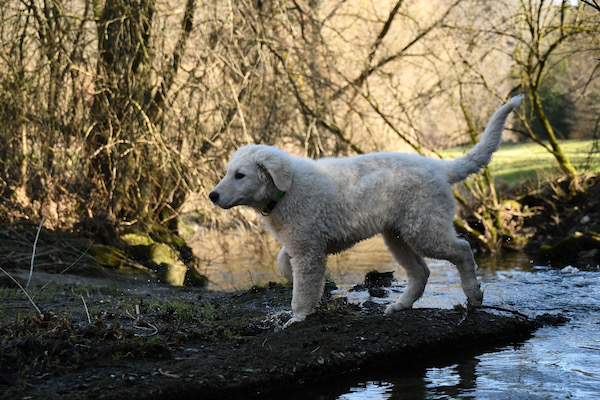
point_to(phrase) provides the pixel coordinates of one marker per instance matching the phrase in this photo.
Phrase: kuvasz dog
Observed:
(319, 207)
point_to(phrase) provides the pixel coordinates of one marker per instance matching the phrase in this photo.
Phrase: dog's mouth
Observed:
(226, 205)
(223, 205)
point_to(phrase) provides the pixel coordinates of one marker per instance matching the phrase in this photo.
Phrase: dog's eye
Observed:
(239, 175)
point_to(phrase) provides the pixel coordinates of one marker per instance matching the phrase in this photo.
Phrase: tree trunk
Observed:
(562, 159)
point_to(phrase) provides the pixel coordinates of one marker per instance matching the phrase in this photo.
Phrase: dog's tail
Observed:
(481, 154)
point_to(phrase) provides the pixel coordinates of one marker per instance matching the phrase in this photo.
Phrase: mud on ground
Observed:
(165, 342)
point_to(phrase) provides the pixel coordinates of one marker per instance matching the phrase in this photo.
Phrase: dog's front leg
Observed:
(284, 264)
(309, 282)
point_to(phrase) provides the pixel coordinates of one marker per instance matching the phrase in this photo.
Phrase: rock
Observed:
(107, 256)
(378, 292)
(163, 255)
(375, 280)
(379, 279)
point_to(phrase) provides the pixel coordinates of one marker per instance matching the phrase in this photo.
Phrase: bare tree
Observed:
(131, 108)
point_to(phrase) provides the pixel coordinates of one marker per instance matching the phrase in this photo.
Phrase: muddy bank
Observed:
(564, 229)
(164, 342)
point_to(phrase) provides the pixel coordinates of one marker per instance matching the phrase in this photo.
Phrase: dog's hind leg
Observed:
(461, 255)
(415, 267)
(443, 244)
(309, 282)
(284, 264)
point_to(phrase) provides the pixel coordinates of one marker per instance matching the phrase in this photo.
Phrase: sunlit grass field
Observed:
(518, 162)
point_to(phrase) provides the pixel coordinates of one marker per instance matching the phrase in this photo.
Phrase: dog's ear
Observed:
(278, 165)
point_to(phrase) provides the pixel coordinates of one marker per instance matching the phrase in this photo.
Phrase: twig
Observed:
(470, 308)
(168, 374)
(149, 327)
(86, 309)
(517, 313)
(24, 291)
(64, 270)
(37, 236)
(592, 3)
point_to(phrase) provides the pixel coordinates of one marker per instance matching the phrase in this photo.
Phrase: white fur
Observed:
(332, 203)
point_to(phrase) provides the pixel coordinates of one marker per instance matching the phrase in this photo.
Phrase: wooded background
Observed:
(127, 111)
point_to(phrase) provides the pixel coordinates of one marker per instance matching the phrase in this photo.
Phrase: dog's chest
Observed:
(338, 247)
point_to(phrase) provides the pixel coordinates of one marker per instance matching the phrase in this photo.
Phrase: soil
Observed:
(164, 342)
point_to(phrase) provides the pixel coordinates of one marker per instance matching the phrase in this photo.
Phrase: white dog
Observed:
(315, 208)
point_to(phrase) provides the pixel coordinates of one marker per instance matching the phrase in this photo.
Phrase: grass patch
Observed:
(515, 163)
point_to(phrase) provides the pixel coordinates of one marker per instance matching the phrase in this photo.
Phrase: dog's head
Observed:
(253, 177)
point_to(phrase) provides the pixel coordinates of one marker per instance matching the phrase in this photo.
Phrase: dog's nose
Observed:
(214, 196)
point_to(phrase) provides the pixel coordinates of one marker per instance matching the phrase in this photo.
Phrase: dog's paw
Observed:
(474, 294)
(476, 300)
(392, 308)
(292, 320)
(475, 297)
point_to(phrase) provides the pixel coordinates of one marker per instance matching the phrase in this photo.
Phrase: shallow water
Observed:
(556, 363)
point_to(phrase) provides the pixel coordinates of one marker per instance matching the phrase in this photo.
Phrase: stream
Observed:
(556, 363)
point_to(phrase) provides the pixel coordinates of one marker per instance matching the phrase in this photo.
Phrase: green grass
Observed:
(515, 163)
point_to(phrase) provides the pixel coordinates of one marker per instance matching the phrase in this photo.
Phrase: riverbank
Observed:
(94, 341)
(564, 229)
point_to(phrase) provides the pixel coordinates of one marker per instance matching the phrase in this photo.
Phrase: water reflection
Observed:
(242, 258)
(369, 390)
(237, 259)
(447, 378)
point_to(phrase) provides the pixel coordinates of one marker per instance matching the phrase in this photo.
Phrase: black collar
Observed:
(271, 206)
